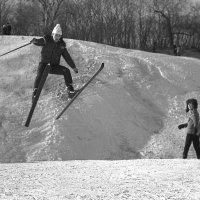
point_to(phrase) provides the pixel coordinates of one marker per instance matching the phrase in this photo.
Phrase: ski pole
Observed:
(15, 49)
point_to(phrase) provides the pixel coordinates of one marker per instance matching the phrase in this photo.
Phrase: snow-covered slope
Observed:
(131, 110)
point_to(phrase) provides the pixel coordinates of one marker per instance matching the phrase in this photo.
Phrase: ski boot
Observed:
(71, 92)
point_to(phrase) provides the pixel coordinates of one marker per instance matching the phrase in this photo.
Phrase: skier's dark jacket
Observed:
(52, 51)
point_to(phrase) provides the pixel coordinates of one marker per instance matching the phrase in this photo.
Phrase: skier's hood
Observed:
(57, 29)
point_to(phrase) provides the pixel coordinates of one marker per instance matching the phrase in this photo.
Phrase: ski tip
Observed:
(102, 65)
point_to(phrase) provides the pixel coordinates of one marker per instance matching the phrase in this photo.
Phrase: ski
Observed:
(44, 77)
(77, 94)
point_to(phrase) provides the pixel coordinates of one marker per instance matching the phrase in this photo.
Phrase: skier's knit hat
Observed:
(57, 29)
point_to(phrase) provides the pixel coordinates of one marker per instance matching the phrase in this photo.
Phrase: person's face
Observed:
(56, 37)
(190, 106)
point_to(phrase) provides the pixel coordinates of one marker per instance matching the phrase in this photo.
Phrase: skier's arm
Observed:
(69, 60)
(38, 42)
(182, 126)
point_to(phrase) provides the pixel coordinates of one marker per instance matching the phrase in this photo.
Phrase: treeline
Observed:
(138, 24)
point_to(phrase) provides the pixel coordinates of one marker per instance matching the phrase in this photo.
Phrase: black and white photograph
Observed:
(99, 99)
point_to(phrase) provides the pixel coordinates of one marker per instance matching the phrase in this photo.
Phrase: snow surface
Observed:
(131, 110)
(147, 179)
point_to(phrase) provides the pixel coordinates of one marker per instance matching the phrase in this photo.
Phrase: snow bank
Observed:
(131, 110)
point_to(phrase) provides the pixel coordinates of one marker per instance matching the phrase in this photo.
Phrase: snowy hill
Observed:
(131, 110)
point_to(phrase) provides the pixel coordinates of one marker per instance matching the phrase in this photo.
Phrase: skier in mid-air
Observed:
(53, 47)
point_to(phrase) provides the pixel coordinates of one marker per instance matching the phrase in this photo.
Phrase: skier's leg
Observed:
(40, 71)
(196, 145)
(188, 142)
(68, 78)
(61, 70)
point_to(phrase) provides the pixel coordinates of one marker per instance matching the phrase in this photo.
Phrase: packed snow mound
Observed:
(131, 110)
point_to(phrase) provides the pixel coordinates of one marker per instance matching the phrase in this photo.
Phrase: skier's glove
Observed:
(182, 126)
(75, 70)
(33, 41)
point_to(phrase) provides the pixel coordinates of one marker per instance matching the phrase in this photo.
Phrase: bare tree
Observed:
(125, 23)
(195, 25)
(25, 19)
(144, 23)
(49, 12)
(5, 7)
(170, 11)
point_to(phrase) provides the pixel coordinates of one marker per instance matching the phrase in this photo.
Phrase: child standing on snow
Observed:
(191, 125)
(53, 47)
